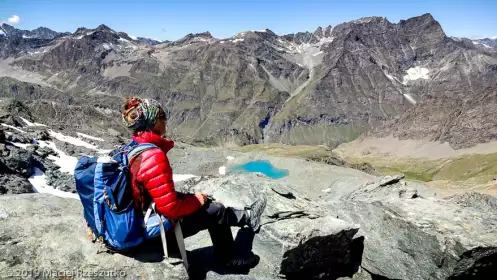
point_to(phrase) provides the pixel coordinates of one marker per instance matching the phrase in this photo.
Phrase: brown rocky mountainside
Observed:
(325, 87)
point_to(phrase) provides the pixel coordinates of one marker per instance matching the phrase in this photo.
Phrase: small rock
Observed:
(3, 214)
(18, 138)
(411, 193)
(40, 135)
(32, 148)
(389, 180)
(45, 152)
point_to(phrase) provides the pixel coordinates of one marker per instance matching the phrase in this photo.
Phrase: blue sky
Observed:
(171, 20)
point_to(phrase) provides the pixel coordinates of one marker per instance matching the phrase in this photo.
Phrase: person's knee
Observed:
(216, 209)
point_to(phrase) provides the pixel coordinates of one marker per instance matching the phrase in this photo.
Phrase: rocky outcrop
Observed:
(14, 184)
(38, 33)
(15, 160)
(367, 235)
(296, 242)
(298, 235)
(21, 155)
(442, 238)
(59, 180)
(15, 167)
(58, 242)
(336, 160)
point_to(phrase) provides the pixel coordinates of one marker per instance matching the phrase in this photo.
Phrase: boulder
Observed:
(59, 180)
(44, 152)
(15, 160)
(408, 236)
(14, 184)
(19, 138)
(38, 133)
(302, 239)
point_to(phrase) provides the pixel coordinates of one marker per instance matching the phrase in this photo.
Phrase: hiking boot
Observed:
(255, 212)
(245, 262)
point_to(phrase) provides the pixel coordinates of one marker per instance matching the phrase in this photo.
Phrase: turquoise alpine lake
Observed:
(263, 166)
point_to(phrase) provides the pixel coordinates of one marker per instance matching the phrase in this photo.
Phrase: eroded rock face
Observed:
(442, 238)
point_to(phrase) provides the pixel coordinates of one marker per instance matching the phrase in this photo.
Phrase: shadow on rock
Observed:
(200, 260)
(328, 257)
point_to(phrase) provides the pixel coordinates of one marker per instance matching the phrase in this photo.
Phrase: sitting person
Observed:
(152, 181)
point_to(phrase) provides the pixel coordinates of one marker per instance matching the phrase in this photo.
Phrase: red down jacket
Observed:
(152, 179)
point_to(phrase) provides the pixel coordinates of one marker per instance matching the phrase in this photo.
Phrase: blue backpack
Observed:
(104, 187)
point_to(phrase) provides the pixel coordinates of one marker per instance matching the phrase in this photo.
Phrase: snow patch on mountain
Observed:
(66, 162)
(483, 44)
(89, 137)
(28, 123)
(416, 73)
(124, 40)
(410, 98)
(107, 46)
(72, 140)
(20, 145)
(39, 182)
(14, 128)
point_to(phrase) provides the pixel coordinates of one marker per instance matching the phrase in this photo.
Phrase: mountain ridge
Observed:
(325, 87)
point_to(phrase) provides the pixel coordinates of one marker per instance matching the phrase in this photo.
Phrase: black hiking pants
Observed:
(217, 219)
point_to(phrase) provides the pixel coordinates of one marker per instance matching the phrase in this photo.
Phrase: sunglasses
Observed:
(164, 114)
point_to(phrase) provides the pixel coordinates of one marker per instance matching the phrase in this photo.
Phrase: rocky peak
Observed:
(103, 27)
(265, 34)
(124, 35)
(38, 33)
(194, 38)
(424, 23)
(486, 43)
(148, 41)
(82, 30)
(302, 37)
(8, 28)
(323, 32)
(365, 20)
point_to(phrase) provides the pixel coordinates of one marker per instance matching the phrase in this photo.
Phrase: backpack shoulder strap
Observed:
(136, 151)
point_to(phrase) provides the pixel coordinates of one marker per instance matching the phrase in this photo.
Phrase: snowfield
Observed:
(416, 73)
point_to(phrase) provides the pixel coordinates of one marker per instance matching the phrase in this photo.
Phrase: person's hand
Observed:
(202, 198)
